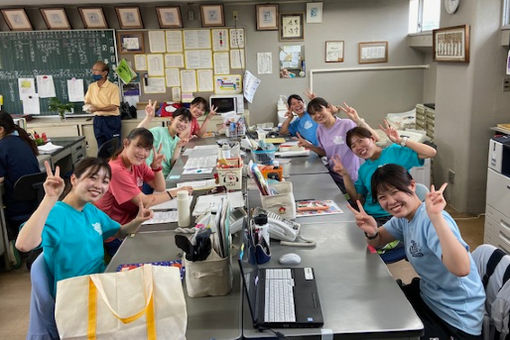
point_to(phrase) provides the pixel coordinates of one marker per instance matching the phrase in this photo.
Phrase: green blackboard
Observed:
(62, 54)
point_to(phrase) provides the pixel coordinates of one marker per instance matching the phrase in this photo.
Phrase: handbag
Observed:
(143, 303)
(211, 277)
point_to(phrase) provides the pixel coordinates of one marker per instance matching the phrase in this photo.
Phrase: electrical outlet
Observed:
(235, 15)
(451, 176)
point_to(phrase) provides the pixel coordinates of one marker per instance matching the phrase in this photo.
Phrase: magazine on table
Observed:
(316, 207)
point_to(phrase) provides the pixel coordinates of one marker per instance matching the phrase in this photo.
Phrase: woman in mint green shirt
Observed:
(167, 137)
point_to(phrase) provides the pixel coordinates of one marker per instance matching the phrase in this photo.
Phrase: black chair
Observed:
(107, 150)
(29, 189)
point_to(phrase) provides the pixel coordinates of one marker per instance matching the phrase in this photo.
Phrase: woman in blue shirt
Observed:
(303, 125)
(71, 231)
(449, 297)
(17, 158)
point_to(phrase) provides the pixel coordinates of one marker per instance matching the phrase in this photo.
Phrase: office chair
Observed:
(29, 189)
(399, 253)
(107, 150)
(42, 323)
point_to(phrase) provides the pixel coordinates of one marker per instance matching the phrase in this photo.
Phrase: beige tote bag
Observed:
(143, 303)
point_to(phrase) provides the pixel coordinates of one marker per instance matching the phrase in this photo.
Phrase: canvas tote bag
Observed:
(143, 303)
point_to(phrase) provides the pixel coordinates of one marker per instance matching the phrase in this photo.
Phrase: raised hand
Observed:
(158, 157)
(391, 132)
(434, 201)
(212, 111)
(150, 109)
(309, 94)
(303, 142)
(350, 112)
(182, 142)
(364, 221)
(338, 167)
(54, 184)
(289, 114)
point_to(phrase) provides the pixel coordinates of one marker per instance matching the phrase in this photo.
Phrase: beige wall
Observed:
(469, 100)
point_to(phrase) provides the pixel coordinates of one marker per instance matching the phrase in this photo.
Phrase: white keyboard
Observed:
(279, 296)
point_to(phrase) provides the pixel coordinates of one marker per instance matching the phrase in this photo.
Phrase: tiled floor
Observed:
(15, 285)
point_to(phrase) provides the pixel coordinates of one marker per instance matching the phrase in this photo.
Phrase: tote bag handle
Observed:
(95, 285)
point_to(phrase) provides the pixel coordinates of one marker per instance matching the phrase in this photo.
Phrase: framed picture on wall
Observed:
(451, 44)
(267, 17)
(334, 52)
(314, 13)
(93, 17)
(373, 52)
(55, 18)
(291, 26)
(129, 17)
(130, 42)
(212, 15)
(17, 19)
(169, 17)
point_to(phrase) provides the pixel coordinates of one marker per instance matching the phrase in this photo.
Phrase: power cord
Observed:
(279, 335)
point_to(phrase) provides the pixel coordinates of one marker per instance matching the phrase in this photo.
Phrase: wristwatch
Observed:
(403, 141)
(373, 236)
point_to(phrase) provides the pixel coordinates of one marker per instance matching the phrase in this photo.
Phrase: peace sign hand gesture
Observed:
(338, 167)
(391, 132)
(150, 109)
(364, 221)
(309, 94)
(303, 142)
(182, 142)
(435, 202)
(350, 112)
(289, 114)
(158, 158)
(212, 111)
(54, 184)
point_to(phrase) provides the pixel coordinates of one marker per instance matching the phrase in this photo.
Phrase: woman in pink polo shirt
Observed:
(129, 172)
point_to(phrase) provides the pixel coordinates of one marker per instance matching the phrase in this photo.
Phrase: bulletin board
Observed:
(177, 65)
(62, 54)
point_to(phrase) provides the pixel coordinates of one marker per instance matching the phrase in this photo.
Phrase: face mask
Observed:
(97, 77)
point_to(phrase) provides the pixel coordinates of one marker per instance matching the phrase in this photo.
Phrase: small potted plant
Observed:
(56, 105)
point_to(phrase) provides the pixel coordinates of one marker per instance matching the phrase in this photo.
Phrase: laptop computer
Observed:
(281, 297)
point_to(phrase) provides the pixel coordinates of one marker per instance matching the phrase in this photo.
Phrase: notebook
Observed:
(281, 297)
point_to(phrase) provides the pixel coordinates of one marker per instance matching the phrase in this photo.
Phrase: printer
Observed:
(499, 154)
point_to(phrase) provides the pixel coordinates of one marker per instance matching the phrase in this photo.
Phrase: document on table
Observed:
(201, 162)
(172, 204)
(197, 171)
(199, 185)
(201, 150)
(211, 202)
(164, 216)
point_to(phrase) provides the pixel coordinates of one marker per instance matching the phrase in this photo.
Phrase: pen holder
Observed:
(230, 173)
(282, 203)
(211, 277)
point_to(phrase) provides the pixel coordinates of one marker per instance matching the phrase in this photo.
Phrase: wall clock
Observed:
(451, 6)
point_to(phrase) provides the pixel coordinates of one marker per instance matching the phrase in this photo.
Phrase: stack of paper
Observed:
(48, 148)
(211, 202)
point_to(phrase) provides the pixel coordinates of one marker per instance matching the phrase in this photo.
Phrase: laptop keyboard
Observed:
(279, 296)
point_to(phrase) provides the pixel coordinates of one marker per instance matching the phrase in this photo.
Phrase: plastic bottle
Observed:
(183, 218)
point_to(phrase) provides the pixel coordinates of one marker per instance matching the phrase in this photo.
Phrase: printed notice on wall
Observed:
(264, 63)
(174, 41)
(75, 90)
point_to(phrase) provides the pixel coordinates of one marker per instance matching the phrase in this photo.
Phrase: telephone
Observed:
(280, 228)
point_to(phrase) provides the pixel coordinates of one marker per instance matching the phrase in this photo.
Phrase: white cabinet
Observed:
(497, 211)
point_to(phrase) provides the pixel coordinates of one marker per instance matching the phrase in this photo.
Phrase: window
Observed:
(506, 14)
(424, 15)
